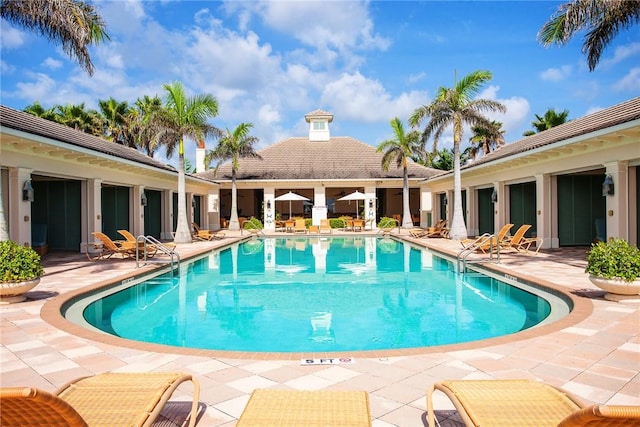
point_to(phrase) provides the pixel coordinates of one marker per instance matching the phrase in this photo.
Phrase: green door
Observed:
(522, 206)
(175, 211)
(485, 211)
(115, 210)
(581, 209)
(443, 205)
(153, 214)
(197, 202)
(57, 204)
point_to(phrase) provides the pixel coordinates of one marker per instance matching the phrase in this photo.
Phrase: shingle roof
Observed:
(318, 113)
(618, 114)
(28, 123)
(300, 159)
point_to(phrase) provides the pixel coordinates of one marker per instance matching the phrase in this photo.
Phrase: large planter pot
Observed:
(616, 286)
(12, 292)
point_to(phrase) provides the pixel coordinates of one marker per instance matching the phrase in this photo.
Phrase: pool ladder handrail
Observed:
(473, 246)
(174, 257)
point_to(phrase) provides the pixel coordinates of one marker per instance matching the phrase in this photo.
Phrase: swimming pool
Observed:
(332, 294)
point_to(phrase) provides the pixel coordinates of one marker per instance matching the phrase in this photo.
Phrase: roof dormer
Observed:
(319, 125)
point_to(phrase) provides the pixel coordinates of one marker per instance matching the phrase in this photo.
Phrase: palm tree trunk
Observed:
(407, 221)
(458, 230)
(183, 231)
(233, 221)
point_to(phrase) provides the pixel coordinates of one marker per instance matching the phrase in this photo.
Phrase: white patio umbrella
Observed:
(356, 195)
(290, 196)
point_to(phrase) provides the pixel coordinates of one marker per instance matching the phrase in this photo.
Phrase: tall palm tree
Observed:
(402, 147)
(36, 109)
(601, 19)
(77, 116)
(486, 138)
(550, 119)
(114, 115)
(73, 24)
(456, 107)
(234, 145)
(139, 125)
(183, 116)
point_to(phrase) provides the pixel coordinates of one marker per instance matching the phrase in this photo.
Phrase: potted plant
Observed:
(20, 271)
(614, 266)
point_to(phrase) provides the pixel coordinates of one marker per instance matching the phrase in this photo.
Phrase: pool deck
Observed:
(594, 352)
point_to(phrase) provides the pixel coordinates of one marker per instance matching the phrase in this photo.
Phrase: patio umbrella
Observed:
(290, 196)
(356, 195)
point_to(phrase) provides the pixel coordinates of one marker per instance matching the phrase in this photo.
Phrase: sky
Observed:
(271, 62)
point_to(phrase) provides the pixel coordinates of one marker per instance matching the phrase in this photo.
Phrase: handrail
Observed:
(159, 246)
(473, 246)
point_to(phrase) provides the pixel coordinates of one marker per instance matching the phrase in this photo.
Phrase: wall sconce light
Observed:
(143, 199)
(268, 204)
(607, 186)
(494, 196)
(28, 195)
(371, 204)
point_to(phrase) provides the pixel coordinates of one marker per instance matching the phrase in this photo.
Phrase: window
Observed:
(318, 125)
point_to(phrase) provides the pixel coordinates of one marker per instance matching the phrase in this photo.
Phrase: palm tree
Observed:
(486, 138)
(550, 119)
(234, 145)
(139, 127)
(601, 19)
(114, 115)
(73, 24)
(402, 147)
(78, 117)
(456, 107)
(183, 116)
(38, 110)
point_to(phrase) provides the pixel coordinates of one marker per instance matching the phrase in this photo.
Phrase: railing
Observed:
(487, 243)
(145, 242)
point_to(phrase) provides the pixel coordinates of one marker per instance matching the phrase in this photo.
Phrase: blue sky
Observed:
(269, 63)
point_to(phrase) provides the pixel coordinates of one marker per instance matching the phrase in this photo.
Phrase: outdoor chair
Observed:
(107, 248)
(525, 403)
(486, 243)
(110, 399)
(206, 235)
(519, 242)
(300, 226)
(129, 237)
(438, 230)
(325, 225)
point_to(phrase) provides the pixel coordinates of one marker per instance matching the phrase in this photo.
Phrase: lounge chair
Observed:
(520, 243)
(525, 403)
(131, 238)
(206, 235)
(107, 247)
(438, 230)
(325, 225)
(300, 226)
(485, 243)
(111, 399)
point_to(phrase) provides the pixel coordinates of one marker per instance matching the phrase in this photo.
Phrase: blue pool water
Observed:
(317, 294)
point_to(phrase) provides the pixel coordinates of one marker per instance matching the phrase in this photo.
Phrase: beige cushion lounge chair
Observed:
(206, 235)
(325, 225)
(111, 399)
(108, 248)
(300, 225)
(525, 403)
(129, 237)
(485, 243)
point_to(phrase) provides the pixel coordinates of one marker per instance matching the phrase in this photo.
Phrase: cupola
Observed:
(319, 125)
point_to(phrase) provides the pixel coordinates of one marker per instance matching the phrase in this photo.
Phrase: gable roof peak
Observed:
(318, 115)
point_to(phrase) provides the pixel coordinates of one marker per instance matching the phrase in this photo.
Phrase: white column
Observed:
(618, 202)
(269, 220)
(472, 212)
(543, 211)
(213, 209)
(138, 211)
(370, 204)
(20, 211)
(426, 207)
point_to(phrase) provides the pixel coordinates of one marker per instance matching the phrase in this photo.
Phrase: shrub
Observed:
(253, 224)
(615, 259)
(386, 222)
(18, 263)
(337, 223)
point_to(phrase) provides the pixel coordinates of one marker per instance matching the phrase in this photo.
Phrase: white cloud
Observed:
(52, 63)
(414, 78)
(517, 111)
(6, 68)
(630, 82)
(556, 74)
(10, 37)
(621, 53)
(354, 97)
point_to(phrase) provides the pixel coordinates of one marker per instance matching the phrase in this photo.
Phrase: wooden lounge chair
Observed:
(107, 247)
(300, 226)
(206, 235)
(438, 230)
(111, 399)
(520, 243)
(484, 243)
(325, 225)
(525, 403)
(131, 238)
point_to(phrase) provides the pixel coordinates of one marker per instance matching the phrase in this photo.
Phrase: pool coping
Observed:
(51, 312)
